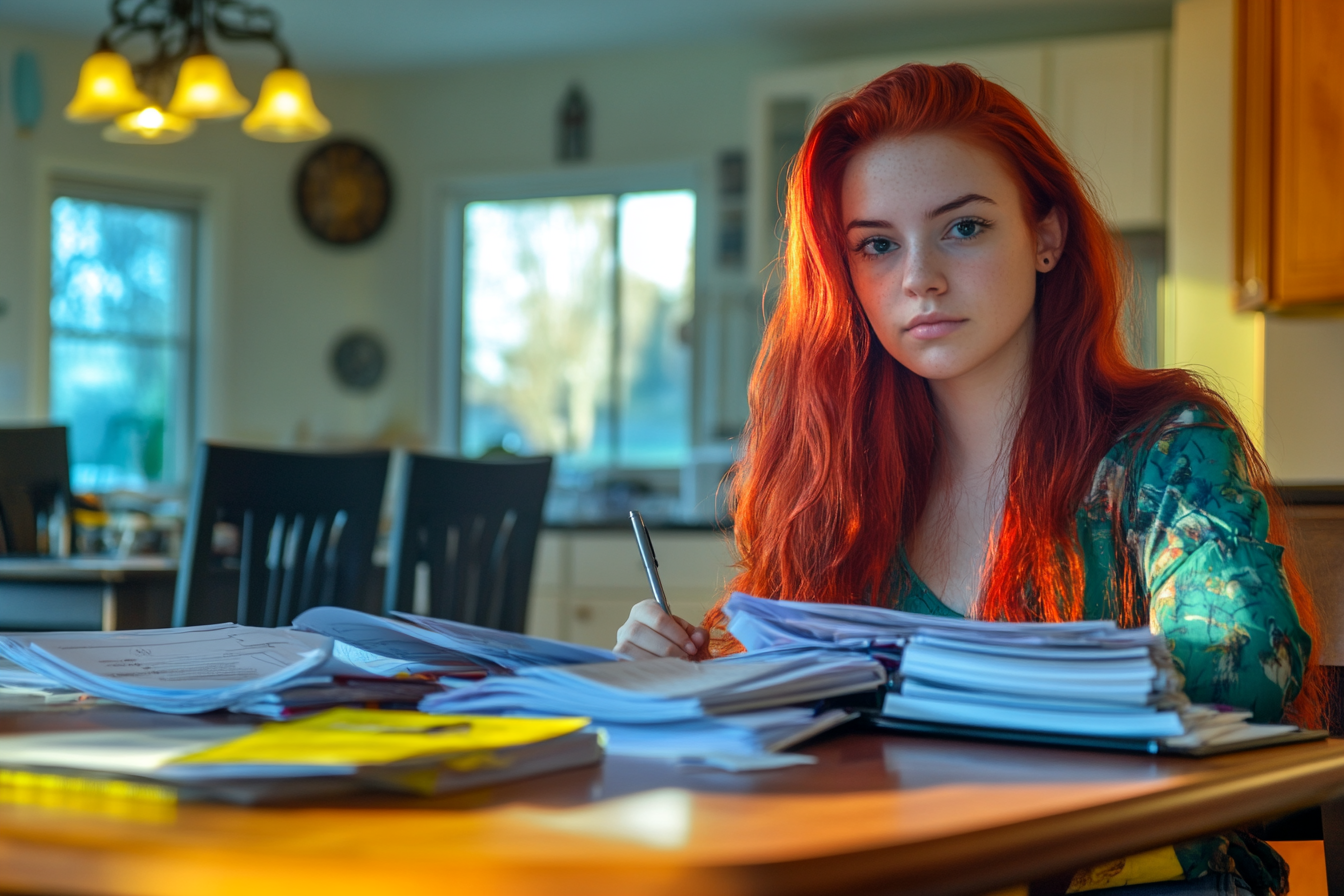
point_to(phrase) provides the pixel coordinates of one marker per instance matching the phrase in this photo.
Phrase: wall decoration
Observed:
(343, 192)
(572, 132)
(359, 360)
(732, 211)
(26, 84)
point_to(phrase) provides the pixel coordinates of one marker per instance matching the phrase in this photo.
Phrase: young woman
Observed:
(944, 420)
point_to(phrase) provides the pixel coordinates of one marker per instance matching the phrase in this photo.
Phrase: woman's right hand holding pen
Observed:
(650, 632)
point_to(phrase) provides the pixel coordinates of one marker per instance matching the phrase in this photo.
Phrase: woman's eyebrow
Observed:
(853, 224)
(958, 203)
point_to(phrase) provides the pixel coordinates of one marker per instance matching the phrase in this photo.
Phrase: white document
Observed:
(667, 690)
(131, 752)
(741, 742)
(183, 670)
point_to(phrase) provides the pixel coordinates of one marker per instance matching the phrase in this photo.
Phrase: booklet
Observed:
(334, 752)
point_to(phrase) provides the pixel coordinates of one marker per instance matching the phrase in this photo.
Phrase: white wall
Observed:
(276, 298)
(682, 105)
(273, 298)
(1304, 397)
(1200, 328)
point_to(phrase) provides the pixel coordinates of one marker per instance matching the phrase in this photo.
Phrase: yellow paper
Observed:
(1153, 866)
(379, 736)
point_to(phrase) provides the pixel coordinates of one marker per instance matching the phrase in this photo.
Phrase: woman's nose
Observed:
(923, 274)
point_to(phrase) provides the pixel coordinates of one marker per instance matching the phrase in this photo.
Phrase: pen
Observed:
(650, 560)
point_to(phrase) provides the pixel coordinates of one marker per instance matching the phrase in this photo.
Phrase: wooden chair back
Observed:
(34, 480)
(464, 535)
(271, 533)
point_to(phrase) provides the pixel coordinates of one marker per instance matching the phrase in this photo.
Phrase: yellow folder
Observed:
(346, 737)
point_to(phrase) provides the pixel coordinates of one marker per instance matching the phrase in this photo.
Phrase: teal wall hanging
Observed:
(26, 83)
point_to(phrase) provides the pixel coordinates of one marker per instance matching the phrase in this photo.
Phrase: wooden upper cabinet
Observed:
(1290, 152)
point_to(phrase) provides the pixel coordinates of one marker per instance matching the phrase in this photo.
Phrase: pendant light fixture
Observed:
(159, 100)
(285, 112)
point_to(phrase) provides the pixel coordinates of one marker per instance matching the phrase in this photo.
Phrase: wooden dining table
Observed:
(876, 813)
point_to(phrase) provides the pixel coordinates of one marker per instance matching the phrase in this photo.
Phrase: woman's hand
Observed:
(649, 632)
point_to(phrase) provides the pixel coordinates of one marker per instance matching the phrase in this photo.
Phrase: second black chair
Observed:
(464, 535)
(272, 533)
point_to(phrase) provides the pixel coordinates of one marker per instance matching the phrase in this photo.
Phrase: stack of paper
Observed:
(676, 709)
(1079, 679)
(183, 670)
(420, 644)
(335, 751)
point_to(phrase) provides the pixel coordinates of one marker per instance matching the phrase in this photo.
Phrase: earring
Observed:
(1045, 259)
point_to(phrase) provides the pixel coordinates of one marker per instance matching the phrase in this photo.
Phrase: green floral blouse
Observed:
(1216, 588)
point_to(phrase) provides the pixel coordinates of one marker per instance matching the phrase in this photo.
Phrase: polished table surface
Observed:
(876, 813)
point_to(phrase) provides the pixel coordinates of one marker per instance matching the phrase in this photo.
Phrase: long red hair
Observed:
(841, 442)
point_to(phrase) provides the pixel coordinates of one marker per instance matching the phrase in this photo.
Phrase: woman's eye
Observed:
(967, 228)
(877, 245)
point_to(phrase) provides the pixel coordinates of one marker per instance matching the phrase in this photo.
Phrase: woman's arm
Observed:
(1215, 583)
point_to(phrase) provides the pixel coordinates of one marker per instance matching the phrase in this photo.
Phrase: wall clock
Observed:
(343, 192)
(358, 359)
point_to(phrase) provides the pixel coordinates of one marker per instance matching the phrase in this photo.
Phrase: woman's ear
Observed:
(1050, 233)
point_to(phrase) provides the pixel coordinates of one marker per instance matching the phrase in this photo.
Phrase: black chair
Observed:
(34, 479)
(467, 530)
(272, 533)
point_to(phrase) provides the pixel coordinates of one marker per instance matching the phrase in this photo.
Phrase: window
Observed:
(576, 328)
(121, 325)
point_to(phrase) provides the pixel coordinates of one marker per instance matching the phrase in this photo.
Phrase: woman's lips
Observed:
(933, 329)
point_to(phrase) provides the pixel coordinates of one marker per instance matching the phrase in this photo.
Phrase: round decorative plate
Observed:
(359, 359)
(343, 192)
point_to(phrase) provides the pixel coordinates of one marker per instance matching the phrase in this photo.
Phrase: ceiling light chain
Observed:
(160, 98)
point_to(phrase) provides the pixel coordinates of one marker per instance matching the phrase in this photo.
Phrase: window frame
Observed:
(451, 237)
(190, 204)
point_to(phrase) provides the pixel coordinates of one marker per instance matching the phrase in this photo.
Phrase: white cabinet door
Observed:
(1108, 106)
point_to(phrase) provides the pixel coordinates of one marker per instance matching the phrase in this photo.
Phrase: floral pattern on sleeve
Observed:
(1218, 592)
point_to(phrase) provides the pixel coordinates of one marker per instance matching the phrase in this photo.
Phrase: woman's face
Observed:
(942, 255)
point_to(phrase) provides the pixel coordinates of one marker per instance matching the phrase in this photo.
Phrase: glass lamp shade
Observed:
(149, 125)
(205, 90)
(106, 89)
(285, 112)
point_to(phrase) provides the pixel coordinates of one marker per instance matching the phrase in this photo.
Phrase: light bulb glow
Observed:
(149, 118)
(149, 125)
